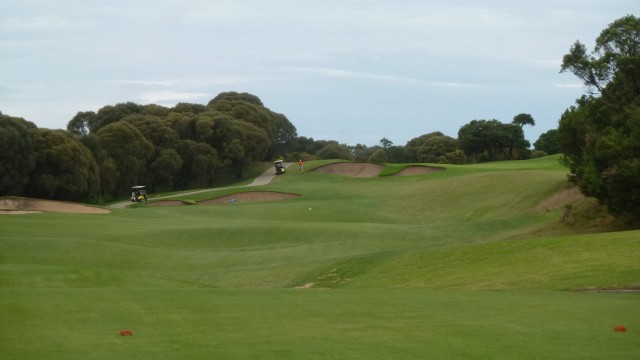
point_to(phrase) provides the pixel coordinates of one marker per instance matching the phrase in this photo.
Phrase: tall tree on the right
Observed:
(600, 135)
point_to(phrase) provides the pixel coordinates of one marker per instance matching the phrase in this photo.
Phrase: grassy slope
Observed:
(407, 253)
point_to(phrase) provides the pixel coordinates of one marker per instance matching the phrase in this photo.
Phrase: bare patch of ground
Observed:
(305, 286)
(357, 170)
(168, 203)
(560, 199)
(250, 196)
(612, 290)
(418, 170)
(364, 170)
(20, 205)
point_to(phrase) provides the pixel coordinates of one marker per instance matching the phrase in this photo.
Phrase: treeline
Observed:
(600, 135)
(102, 154)
(477, 141)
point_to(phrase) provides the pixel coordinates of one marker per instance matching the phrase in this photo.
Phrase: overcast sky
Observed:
(348, 70)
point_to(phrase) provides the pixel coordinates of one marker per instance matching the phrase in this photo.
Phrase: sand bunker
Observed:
(418, 170)
(232, 198)
(19, 205)
(357, 170)
(250, 196)
(168, 203)
(363, 170)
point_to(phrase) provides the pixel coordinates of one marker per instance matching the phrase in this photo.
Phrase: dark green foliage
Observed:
(548, 142)
(189, 109)
(235, 96)
(624, 188)
(396, 154)
(386, 143)
(81, 123)
(249, 108)
(199, 164)
(490, 140)
(284, 135)
(130, 151)
(110, 114)
(523, 119)
(17, 154)
(362, 153)
(333, 150)
(152, 145)
(154, 129)
(434, 147)
(163, 170)
(600, 136)
(618, 42)
(65, 169)
(378, 156)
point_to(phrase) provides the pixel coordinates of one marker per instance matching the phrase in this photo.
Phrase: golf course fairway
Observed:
(471, 262)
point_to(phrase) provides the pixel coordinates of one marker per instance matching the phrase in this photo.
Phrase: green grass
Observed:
(453, 265)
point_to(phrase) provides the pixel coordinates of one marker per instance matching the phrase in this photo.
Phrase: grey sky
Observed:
(350, 70)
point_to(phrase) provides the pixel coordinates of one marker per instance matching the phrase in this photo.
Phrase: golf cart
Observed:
(279, 165)
(138, 194)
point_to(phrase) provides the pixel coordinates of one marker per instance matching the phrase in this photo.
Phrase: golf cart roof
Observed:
(278, 161)
(138, 187)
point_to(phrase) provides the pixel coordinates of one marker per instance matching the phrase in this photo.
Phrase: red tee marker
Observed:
(620, 328)
(126, 332)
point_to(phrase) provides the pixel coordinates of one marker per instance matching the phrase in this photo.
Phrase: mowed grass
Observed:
(453, 265)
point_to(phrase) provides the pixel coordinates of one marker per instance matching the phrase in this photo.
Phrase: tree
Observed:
(284, 135)
(333, 150)
(618, 41)
(386, 143)
(65, 169)
(154, 129)
(81, 123)
(396, 154)
(378, 156)
(17, 154)
(362, 153)
(164, 168)
(523, 119)
(432, 147)
(548, 142)
(490, 140)
(110, 114)
(600, 135)
(199, 164)
(235, 96)
(129, 149)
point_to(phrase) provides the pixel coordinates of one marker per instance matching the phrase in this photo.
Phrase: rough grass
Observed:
(459, 264)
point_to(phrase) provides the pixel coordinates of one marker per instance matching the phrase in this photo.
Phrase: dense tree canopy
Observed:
(334, 150)
(434, 147)
(65, 169)
(600, 135)
(489, 140)
(523, 119)
(17, 154)
(548, 142)
(129, 150)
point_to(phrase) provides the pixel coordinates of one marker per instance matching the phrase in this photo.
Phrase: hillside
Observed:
(469, 247)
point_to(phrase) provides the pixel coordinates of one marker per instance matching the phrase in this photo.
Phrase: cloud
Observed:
(172, 96)
(455, 84)
(34, 24)
(143, 83)
(332, 72)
